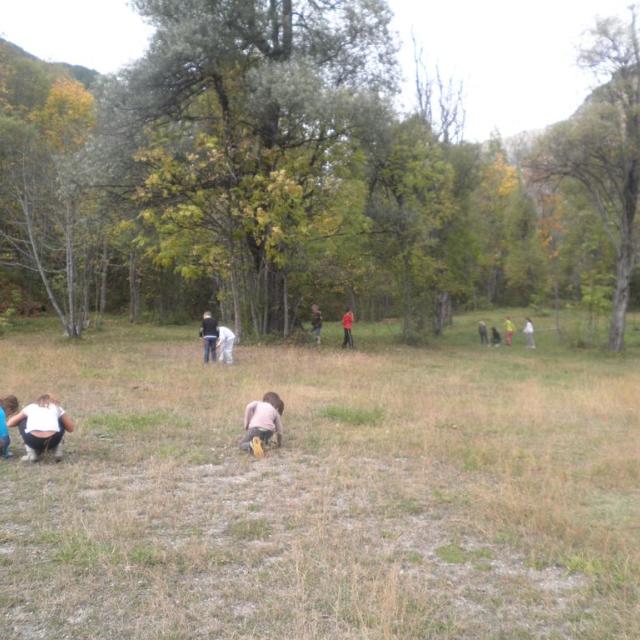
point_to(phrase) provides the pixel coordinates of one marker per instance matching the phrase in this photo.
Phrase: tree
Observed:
(245, 103)
(600, 148)
(410, 202)
(49, 226)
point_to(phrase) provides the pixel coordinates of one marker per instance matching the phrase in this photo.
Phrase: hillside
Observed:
(19, 68)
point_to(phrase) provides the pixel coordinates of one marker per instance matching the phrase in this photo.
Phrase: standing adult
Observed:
(528, 332)
(209, 335)
(509, 329)
(42, 425)
(347, 324)
(316, 322)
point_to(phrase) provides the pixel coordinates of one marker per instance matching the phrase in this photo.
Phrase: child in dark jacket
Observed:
(209, 335)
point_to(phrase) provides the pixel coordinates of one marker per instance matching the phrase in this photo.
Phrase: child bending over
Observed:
(261, 421)
(42, 425)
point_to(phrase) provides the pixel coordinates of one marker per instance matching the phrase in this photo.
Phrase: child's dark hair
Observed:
(9, 404)
(45, 400)
(274, 400)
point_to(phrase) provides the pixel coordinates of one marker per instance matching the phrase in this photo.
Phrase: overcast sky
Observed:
(516, 59)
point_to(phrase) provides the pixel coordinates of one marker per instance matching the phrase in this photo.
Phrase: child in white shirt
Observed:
(226, 339)
(42, 425)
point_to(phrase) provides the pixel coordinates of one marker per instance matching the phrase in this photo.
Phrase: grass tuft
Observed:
(250, 529)
(352, 415)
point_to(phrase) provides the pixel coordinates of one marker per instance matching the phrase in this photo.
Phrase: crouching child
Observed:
(262, 419)
(8, 406)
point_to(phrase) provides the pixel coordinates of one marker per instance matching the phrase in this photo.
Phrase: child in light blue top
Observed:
(8, 406)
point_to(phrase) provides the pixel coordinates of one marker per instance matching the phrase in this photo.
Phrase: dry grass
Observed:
(454, 492)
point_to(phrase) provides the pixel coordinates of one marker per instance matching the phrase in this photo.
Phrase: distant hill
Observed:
(14, 59)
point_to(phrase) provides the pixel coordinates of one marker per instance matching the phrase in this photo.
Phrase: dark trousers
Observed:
(348, 339)
(263, 434)
(210, 348)
(40, 444)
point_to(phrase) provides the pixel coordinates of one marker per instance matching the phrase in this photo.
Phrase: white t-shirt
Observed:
(528, 328)
(43, 418)
(225, 334)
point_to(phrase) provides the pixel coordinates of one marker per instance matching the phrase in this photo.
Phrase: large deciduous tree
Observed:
(600, 148)
(246, 101)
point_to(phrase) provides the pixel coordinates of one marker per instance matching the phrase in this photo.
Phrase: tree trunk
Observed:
(352, 299)
(406, 301)
(35, 254)
(442, 312)
(287, 28)
(86, 299)
(285, 305)
(73, 324)
(625, 257)
(237, 315)
(134, 287)
(624, 270)
(556, 304)
(265, 311)
(104, 267)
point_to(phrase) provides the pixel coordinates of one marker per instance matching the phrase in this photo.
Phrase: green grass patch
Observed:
(146, 556)
(353, 415)
(455, 554)
(250, 529)
(118, 423)
(452, 553)
(82, 551)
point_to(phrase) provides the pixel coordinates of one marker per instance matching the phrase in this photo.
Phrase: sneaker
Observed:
(31, 456)
(256, 447)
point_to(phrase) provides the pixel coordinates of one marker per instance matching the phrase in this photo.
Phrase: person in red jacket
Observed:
(347, 324)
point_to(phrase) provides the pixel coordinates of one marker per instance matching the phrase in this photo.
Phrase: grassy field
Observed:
(448, 492)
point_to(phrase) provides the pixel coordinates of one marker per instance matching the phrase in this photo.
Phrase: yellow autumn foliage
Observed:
(68, 115)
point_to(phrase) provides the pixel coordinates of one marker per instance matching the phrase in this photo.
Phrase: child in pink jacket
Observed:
(261, 420)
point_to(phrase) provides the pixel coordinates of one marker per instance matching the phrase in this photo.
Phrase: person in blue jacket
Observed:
(8, 406)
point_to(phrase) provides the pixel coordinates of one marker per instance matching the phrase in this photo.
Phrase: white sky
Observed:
(516, 58)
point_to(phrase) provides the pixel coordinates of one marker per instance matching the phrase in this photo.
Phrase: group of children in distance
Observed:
(347, 325)
(510, 329)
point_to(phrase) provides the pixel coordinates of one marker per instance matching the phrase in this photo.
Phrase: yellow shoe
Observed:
(256, 447)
